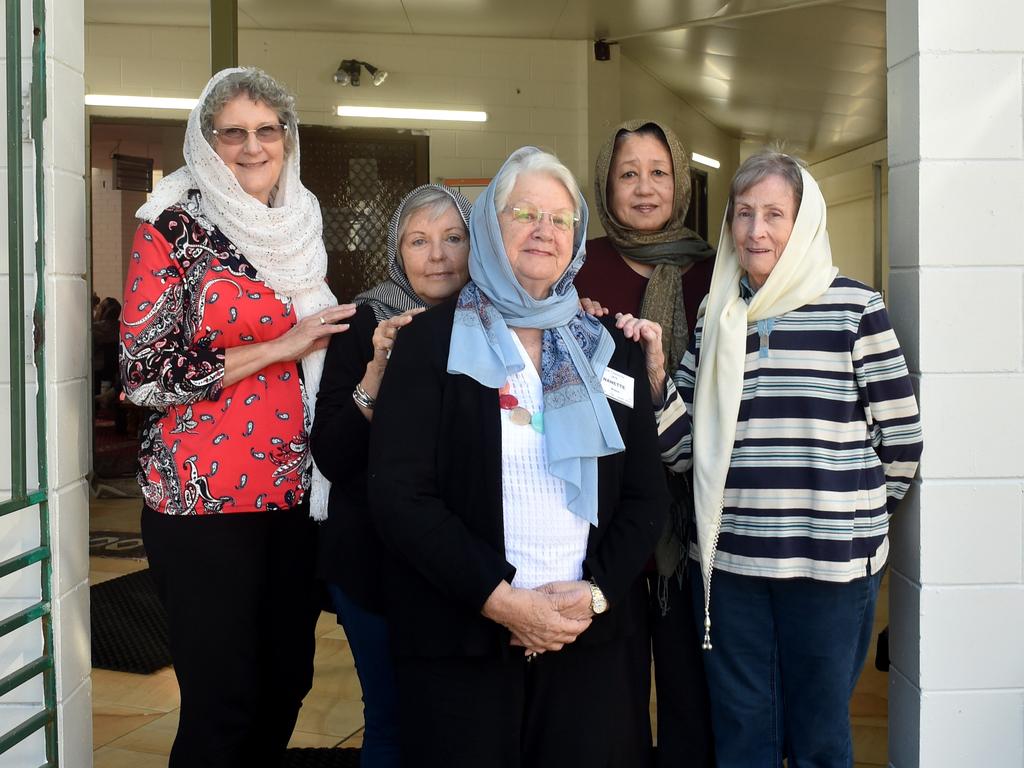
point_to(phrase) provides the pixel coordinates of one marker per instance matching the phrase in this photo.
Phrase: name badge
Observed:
(618, 387)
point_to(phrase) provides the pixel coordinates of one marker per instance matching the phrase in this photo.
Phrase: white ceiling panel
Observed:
(811, 71)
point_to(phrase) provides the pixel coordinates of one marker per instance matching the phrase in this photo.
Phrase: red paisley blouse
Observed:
(207, 448)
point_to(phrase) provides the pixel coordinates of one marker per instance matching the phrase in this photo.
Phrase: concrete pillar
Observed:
(956, 196)
(69, 406)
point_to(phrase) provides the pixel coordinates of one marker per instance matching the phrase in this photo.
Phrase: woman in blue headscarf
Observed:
(514, 479)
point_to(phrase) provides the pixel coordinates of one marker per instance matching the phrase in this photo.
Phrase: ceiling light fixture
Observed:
(402, 113)
(146, 102)
(349, 70)
(705, 160)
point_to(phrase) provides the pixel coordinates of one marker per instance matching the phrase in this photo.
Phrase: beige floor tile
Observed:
(355, 740)
(329, 715)
(326, 624)
(158, 691)
(335, 634)
(335, 674)
(301, 739)
(115, 514)
(106, 568)
(154, 738)
(112, 722)
(106, 757)
(871, 743)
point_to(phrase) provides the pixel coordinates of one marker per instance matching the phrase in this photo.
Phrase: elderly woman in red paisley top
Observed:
(226, 318)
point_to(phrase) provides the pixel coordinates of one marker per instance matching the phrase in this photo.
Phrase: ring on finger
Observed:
(322, 321)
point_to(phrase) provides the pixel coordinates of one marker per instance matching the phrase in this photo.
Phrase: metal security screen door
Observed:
(26, 689)
(359, 176)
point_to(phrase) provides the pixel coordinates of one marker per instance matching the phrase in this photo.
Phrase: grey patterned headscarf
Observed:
(395, 295)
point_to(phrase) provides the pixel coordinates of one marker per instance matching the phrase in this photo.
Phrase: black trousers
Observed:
(241, 610)
(685, 739)
(564, 709)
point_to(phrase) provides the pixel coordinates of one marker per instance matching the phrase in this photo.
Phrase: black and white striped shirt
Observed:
(827, 440)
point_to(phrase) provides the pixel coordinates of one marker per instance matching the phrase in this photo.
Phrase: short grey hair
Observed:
(258, 86)
(435, 202)
(760, 166)
(534, 162)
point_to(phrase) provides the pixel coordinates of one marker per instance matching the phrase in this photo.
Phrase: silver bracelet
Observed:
(362, 398)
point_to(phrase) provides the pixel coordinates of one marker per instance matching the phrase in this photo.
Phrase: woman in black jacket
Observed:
(428, 251)
(515, 482)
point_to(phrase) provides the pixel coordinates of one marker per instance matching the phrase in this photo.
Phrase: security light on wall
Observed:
(349, 71)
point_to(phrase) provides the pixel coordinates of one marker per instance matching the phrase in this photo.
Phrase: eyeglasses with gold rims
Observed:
(265, 134)
(524, 213)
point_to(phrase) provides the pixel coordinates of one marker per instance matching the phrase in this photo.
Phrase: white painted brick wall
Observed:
(988, 550)
(976, 728)
(67, 391)
(988, 194)
(536, 88)
(956, 141)
(973, 424)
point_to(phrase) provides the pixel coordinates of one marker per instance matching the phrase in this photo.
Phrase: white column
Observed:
(956, 183)
(69, 411)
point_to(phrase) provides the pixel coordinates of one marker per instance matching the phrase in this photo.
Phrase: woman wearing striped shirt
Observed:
(794, 406)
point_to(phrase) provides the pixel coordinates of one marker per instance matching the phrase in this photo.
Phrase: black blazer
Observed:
(435, 493)
(349, 550)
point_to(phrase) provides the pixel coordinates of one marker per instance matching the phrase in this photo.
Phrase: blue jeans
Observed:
(367, 634)
(787, 654)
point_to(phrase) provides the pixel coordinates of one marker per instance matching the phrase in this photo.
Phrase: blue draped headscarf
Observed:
(578, 422)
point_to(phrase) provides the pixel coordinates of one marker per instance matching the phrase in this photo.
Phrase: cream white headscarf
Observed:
(283, 241)
(803, 273)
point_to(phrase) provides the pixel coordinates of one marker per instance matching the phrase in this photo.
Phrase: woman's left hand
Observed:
(573, 599)
(385, 334)
(312, 333)
(648, 334)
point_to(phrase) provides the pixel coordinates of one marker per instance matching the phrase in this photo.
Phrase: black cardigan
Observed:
(435, 493)
(349, 550)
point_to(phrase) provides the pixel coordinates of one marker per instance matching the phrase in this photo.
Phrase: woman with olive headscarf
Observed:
(651, 265)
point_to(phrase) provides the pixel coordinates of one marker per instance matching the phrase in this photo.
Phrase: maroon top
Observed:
(607, 278)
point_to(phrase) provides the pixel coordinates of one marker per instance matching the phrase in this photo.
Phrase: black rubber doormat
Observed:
(129, 626)
(321, 758)
(116, 544)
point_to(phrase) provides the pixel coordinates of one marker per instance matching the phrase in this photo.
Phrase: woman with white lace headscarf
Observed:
(226, 318)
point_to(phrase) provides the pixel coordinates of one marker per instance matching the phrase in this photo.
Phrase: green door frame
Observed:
(23, 497)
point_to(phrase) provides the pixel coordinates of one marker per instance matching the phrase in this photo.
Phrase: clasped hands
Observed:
(542, 619)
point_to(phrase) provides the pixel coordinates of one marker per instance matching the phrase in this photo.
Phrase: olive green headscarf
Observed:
(673, 248)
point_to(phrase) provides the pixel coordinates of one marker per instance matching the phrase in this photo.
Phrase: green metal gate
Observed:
(21, 496)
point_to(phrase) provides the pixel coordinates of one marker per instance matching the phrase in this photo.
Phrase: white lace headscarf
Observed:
(284, 241)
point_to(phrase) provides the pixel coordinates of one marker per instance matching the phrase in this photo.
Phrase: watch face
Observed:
(598, 604)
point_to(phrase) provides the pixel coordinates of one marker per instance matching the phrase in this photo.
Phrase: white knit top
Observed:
(543, 539)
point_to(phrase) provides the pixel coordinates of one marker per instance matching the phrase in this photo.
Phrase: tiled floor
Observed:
(135, 716)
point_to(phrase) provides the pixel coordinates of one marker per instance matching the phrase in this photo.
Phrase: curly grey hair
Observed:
(258, 86)
(761, 165)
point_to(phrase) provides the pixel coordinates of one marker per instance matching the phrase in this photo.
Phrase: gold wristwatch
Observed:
(598, 603)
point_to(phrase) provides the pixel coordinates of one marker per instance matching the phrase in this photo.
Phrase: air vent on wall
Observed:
(133, 173)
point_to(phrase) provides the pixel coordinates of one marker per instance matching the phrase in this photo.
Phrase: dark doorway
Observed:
(360, 176)
(697, 216)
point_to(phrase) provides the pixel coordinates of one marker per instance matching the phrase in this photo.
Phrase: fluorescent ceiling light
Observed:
(147, 102)
(705, 160)
(398, 113)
